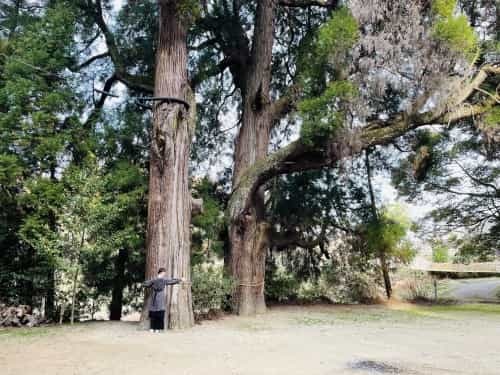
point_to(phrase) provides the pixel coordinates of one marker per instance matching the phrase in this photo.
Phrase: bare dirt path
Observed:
(287, 340)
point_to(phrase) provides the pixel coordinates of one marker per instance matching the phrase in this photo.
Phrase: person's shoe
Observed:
(157, 331)
(152, 330)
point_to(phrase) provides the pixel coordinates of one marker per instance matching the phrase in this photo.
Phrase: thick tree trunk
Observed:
(116, 305)
(248, 232)
(169, 204)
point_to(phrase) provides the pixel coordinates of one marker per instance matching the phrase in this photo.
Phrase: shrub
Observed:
(418, 288)
(355, 287)
(281, 287)
(312, 292)
(211, 290)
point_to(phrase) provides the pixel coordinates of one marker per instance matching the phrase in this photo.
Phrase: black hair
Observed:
(162, 269)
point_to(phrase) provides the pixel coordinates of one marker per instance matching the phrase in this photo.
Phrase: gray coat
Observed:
(158, 297)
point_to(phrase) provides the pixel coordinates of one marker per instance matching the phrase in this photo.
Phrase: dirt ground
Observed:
(322, 340)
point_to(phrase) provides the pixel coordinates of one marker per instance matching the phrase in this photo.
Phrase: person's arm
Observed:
(147, 283)
(172, 281)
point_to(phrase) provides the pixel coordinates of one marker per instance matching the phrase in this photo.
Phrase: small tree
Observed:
(385, 237)
(76, 202)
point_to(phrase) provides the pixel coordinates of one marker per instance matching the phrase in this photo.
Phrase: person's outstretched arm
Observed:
(148, 283)
(172, 281)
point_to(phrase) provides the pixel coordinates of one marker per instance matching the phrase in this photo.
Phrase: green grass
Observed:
(357, 314)
(483, 308)
(404, 314)
(36, 332)
(6, 333)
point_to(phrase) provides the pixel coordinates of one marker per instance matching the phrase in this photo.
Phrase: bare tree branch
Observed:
(90, 61)
(135, 82)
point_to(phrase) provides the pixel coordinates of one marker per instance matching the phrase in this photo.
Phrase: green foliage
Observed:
(387, 234)
(349, 285)
(209, 232)
(137, 25)
(337, 35)
(322, 67)
(492, 118)
(474, 249)
(321, 115)
(444, 8)
(190, 10)
(440, 252)
(281, 286)
(211, 289)
(455, 31)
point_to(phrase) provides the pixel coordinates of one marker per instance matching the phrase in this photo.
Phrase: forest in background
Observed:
(298, 105)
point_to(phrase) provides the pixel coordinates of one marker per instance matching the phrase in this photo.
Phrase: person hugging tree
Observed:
(158, 299)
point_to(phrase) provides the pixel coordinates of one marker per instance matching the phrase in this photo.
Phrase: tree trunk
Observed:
(115, 307)
(385, 273)
(61, 313)
(169, 201)
(73, 295)
(248, 232)
(384, 266)
(50, 292)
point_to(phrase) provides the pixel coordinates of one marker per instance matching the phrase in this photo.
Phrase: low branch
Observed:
(285, 240)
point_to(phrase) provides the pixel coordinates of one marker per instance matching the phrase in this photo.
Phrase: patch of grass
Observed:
(36, 332)
(6, 333)
(452, 311)
(485, 308)
(402, 313)
(359, 314)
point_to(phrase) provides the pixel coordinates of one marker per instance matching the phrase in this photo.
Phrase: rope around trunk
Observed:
(250, 284)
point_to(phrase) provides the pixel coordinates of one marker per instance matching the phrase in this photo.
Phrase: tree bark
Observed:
(116, 305)
(73, 295)
(385, 273)
(169, 201)
(248, 231)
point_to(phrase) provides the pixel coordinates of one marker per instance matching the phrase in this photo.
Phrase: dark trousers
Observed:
(157, 319)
